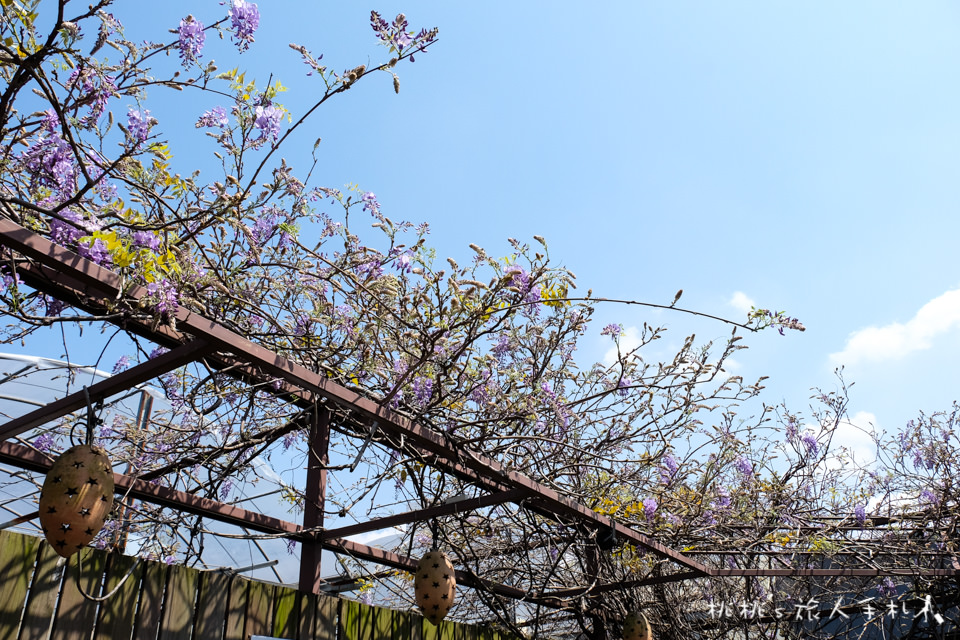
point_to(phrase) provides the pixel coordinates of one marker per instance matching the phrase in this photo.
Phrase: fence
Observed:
(39, 601)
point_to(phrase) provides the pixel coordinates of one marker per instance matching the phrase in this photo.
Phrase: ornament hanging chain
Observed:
(92, 418)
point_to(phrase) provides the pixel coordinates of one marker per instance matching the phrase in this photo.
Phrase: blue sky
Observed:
(803, 155)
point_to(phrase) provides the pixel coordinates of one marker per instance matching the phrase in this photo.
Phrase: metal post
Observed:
(316, 491)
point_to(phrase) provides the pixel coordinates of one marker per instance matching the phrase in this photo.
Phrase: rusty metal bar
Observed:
(834, 573)
(80, 279)
(86, 272)
(460, 506)
(616, 586)
(114, 384)
(314, 498)
(387, 558)
(28, 458)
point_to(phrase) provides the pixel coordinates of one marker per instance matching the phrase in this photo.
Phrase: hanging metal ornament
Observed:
(434, 586)
(637, 627)
(76, 498)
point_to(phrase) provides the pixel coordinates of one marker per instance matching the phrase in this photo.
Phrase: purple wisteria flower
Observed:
(267, 120)
(810, 442)
(146, 239)
(612, 330)
(90, 84)
(264, 227)
(791, 429)
(96, 251)
(888, 588)
(225, 488)
(503, 347)
(744, 467)
(395, 34)
(121, 365)
(929, 496)
(50, 163)
(216, 117)
(668, 469)
(519, 278)
(44, 442)
(51, 121)
(860, 513)
(649, 508)
(422, 390)
(244, 18)
(370, 204)
(192, 38)
(158, 351)
(723, 500)
(403, 263)
(423, 539)
(138, 125)
(165, 296)
(10, 280)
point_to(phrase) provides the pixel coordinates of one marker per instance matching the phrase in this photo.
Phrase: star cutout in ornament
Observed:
(56, 479)
(61, 543)
(92, 481)
(77, 465)
(84, 512)
(71, 492)
(51, 509)
(436, 585)
(89, 531)
(65, 526)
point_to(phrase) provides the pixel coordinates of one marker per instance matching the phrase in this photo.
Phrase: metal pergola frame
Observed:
(63, 274)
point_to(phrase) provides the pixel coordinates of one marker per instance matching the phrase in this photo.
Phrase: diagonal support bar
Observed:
(85, 271)
(104, 389)
(28, 458)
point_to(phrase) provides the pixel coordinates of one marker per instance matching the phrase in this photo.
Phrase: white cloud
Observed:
(741, 302)
(629, 341)
(856, 436)
(896, 340)
(731, 366)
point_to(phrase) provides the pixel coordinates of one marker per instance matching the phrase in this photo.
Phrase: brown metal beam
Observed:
(315, 494)
(617, 586)
(834, 573)
(86, 272)
(104, 389)
(460, 506)
(27, 458)
(64, 274)
(387, 558)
